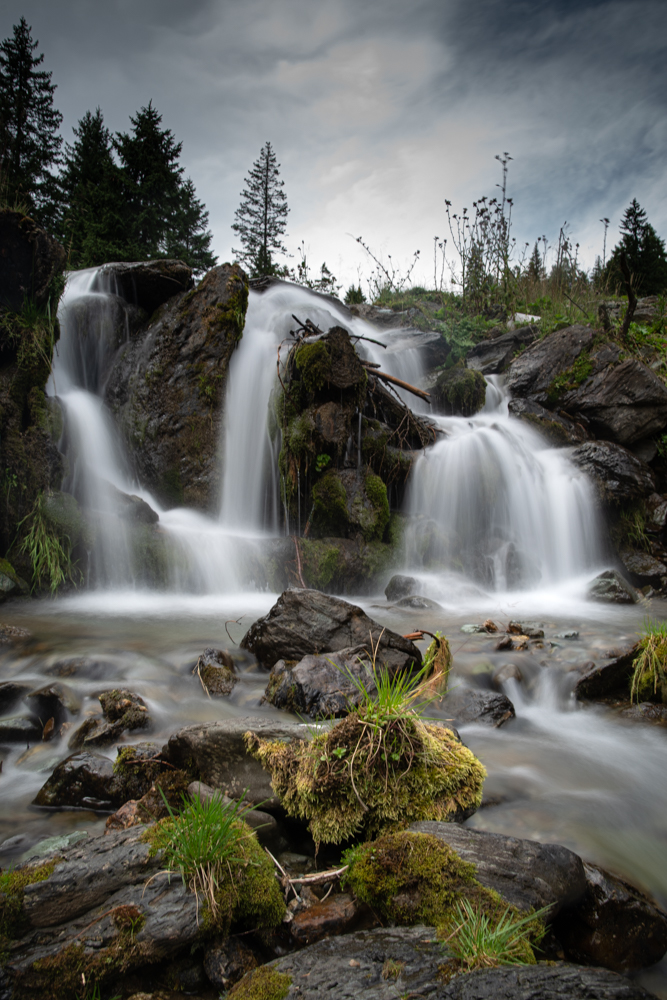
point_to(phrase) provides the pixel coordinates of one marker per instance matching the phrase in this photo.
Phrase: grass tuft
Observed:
(481, 941)
(49, 553)
(649, 678)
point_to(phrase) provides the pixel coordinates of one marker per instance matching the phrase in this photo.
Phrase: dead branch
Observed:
(358, 336)
(404, 385)
(298, 561)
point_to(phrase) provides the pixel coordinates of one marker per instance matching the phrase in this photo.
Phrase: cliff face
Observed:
(166, 389)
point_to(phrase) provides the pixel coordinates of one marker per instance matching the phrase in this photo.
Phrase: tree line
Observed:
(105, 196)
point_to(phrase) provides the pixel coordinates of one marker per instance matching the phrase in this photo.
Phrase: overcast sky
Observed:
(378, 110)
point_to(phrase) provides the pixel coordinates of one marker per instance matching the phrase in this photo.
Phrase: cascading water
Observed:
(491, 502)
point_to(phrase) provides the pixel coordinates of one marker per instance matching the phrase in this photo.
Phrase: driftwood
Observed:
(404, 385)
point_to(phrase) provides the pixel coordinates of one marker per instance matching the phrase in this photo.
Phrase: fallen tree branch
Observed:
(404, 385)
(298, 561)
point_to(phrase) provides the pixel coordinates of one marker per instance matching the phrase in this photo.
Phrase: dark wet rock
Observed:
(655, 508)
(321, 686)
(491, 357)
(532, 373)
(306, 621)
(167, 386)
(55, 701)
(624, 402)
(19, 729)
(12, 635)
(324, 919)
(129, 507)
(524, 872)
(646, 711)
(147, 285)
(129, 814)
(333, 565)
(216, 671)
(400, 586)
(459, 392)
(607, 678)
(11, 584)
(418, 603)
(642, 567)
(124, 707)
(83, 780)
(559, 430)
(572, 635)
(609, 587)
(227, 960)
(82, 666)
(96, 731)
(357, 965)
(614, 925)
(63, 512)
(545, 981)
(470, 705)
(348, 503)
(215, 753)
(29, 262)
(617, 474)
(11, 692)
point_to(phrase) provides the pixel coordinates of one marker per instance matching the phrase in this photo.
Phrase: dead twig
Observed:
(298, 561)
(235, 621)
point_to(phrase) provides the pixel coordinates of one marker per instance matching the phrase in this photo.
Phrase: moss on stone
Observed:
(344, 784)
(265, 983)
(459, 391)
(571, 378)
(321, 562)
(376, 491)
(12, 886)
(313, 362)
(330, 514)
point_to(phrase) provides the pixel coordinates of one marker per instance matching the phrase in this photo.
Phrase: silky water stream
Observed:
(500, 526)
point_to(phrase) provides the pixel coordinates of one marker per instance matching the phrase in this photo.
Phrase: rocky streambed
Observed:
(585, 776)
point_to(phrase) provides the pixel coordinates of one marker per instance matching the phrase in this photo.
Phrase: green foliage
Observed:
(330, 505)
(264, 983)
(649, 678)
(460, 333)
(644, 252)
(572, 378)
(485, 941)
(32, 333)
(261, 218)
(49, 553)
(354, 296)
(394, 770)
(314, 364)
(633, 528)
(220, 860)
(321, 462)
(13, 881)
(376, 491)
(29, 124)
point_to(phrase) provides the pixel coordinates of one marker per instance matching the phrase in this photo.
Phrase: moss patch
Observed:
(12, 886)
(570, 379)
(459, 391)
(313, 362)
(264, 983)
(321, 562)
(355, 781)
(376, 491)
(330, 514)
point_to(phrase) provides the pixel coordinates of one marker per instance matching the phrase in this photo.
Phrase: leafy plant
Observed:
(649, 678)
(48, 552)
(321, 462)
(481, 942)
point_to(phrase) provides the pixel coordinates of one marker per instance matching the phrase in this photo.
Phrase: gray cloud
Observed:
(378, 110)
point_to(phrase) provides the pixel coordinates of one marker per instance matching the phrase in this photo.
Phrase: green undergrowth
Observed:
(484, 940)
(265, 983)
(220, 860)
(570, 379)
(649, 678)
(49, 552)
(12, 885)
(377, 770)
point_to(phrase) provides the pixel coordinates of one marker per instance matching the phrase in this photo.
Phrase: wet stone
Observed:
(329, 917)
(55, 701)
(419, 603)
(610, 588)
(19, 729)
(552, 981)
(646, 711)
(226, 961)
(216, 671)
(84, 780)
(12, 692)
(469, 705)
(399, 587)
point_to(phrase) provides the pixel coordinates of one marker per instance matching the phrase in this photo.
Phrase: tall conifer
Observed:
(644, 252)
(261, 218)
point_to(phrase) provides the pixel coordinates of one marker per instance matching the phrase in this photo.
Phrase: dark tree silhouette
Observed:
(261, 218)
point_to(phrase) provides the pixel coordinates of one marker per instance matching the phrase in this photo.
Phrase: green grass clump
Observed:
(377, 770)
(649, 678)
(485, 941)
(49, 553)
(264, 983)
(221, 862)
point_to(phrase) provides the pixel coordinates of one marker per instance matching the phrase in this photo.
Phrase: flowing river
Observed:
(513, 534)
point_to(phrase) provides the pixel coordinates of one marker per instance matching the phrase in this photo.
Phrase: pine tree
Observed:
(644, 252)
(189, 240)
(151, 180)
(535, 267)
(29, 140)
(91, 223)
(261, 218)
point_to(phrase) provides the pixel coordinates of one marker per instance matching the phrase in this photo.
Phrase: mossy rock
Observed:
(344, 785)
(12, 886)
(459, 392)
(265, 983)
(350, 502)
(64, 514)
(10, 582)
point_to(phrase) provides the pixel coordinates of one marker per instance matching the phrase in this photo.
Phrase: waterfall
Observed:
(488, 502)
(493, 503)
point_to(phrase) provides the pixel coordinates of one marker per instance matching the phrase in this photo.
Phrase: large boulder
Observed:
(559, 430)
(167, 387)
(468, 706)
(613, 925)
(459, 392)
(306, 621)
(624, 402)
(611, 677)
(321, 686)
(545, 981)
(617, 474)
(29, 262)
(350, 502)
(491, 357)
(533, 372)
(524, 872)
(147, 284)
(609, 587)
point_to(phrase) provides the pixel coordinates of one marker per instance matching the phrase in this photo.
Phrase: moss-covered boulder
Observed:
(348, 502)
(459, 392)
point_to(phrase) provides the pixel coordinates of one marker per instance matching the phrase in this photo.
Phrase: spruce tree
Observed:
(535, 267)
(261, 218)
(644, 252)
(189, 240)
(29, 140)
(151, 180)
(91, 224)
